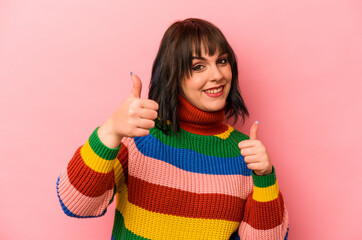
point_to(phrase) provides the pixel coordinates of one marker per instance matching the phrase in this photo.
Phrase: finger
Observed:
(251, 159)
(246, 144)
(247, 152)
(254, 130)
(140, 132)
(147, 114)
(137, 86)
(145, 123)
(148, 103)
(253, 166)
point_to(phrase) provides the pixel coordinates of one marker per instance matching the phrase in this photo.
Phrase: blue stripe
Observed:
(286, 235)
(68, 212)
(235, 236)
(190, 160)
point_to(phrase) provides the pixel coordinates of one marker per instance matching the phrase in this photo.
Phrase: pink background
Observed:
(64, 68)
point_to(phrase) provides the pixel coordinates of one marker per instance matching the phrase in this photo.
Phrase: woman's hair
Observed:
(174, 61)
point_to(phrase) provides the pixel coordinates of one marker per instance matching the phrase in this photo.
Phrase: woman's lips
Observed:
(215, 92)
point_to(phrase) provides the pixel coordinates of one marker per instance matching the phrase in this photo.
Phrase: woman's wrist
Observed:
(108, 136)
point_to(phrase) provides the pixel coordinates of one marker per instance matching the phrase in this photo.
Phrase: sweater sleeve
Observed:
(87, 186)
(265, 215)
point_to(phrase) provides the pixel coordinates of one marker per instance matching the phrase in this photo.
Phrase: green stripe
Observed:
(264, 181)
(206, 145)
(120, 231)
(100, 149)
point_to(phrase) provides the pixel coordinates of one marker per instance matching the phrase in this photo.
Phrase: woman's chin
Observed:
(213, 107)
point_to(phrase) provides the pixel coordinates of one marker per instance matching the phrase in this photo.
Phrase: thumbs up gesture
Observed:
(255, 154)
(135, 116)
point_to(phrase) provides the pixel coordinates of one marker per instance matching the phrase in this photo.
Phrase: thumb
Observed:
(254, 130)
(137, 86)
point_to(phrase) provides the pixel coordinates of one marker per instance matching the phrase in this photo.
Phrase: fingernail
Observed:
(257, 122)
(131, 74)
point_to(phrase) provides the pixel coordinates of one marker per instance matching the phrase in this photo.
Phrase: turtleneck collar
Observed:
(197, 121)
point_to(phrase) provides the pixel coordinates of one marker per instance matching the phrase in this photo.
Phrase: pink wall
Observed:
(64, 68)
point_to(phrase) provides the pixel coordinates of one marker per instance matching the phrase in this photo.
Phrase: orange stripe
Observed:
(248, 232)
(123, 159)
(79, 204)
(192, 119)
(264, 215)
(176, 202)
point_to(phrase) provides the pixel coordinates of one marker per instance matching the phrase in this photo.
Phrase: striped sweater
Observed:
(193, 185)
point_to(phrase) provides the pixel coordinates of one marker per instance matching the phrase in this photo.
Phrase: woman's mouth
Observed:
(214, 92)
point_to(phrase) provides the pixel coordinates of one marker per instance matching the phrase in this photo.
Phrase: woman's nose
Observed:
(216, 74)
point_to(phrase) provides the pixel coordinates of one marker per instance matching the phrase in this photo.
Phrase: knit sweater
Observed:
(193, 185)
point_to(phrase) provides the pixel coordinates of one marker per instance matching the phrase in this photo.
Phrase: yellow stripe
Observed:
(266, 194)
(95, 162)
(225, 134)
(154, 225)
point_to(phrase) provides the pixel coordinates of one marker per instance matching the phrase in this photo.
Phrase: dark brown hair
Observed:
(174, 61)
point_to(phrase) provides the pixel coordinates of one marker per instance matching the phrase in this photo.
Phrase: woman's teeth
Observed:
(217, 90)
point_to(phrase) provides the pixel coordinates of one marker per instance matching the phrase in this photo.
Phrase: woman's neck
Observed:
(192, 119)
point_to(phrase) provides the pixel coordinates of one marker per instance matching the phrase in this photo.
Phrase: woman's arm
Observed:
(265, 216)
(87, 186)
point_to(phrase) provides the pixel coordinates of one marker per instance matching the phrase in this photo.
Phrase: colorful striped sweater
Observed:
(193, 185)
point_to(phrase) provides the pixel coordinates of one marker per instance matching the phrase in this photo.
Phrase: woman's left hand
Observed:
(255, 154)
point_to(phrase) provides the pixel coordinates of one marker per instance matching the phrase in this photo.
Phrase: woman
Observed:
(177, 170)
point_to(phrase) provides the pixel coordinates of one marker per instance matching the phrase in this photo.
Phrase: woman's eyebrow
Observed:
(202, 58)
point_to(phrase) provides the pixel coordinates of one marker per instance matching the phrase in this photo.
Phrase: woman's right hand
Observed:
(133, 118)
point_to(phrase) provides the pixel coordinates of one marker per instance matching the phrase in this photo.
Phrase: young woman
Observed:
(178, 171)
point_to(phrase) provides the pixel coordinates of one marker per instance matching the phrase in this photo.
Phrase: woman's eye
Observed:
(223, 61)
(197, 67)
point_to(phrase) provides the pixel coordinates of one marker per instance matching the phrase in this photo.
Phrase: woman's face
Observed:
(209, 85)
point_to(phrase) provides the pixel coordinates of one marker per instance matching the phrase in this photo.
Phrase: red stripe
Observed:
(172, 201)
(264, 215)
(87, 181)
(123, 159)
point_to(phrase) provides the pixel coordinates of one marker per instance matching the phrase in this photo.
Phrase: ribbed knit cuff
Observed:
(264, 181)
(100, 149)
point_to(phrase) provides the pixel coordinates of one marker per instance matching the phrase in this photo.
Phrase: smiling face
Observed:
(209, 85)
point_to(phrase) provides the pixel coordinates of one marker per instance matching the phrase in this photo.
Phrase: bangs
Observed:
(210, 43)
(197, 39)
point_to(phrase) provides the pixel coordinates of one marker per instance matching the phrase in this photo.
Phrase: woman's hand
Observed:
(255, 154)
(134, 117)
